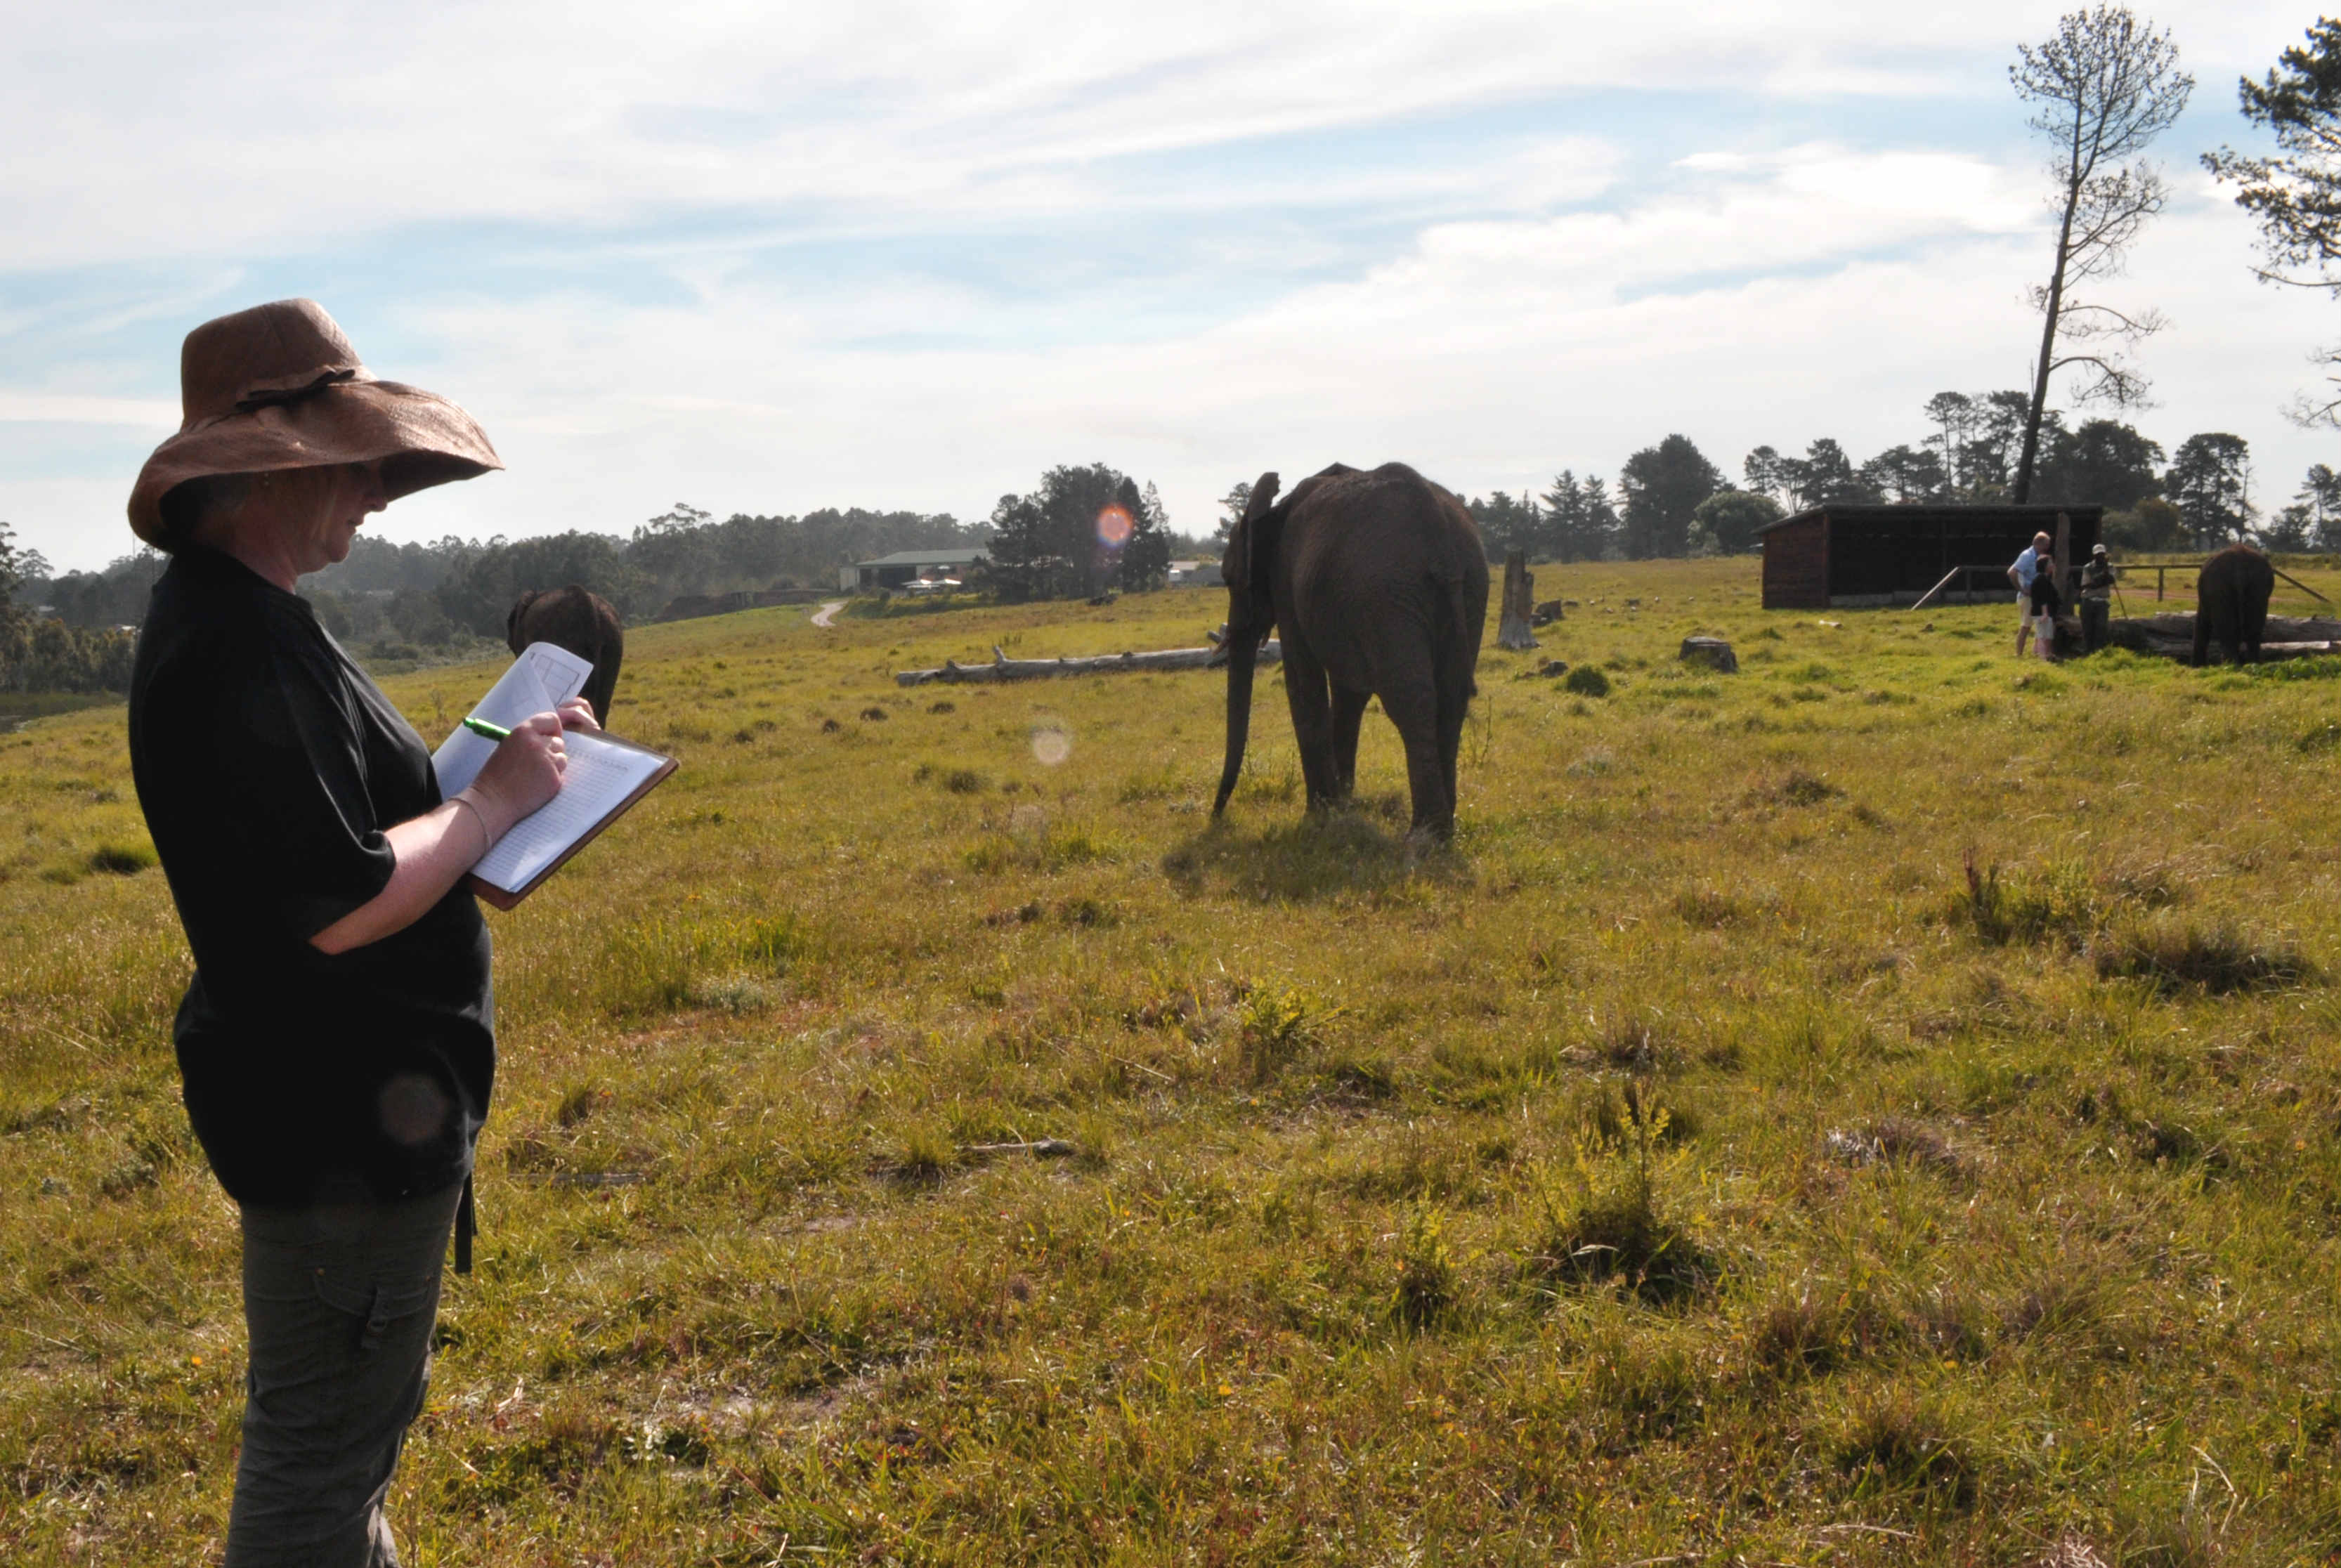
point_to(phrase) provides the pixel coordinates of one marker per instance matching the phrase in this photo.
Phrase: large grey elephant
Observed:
(2231, 600)
(581, 621)
(1377, 582)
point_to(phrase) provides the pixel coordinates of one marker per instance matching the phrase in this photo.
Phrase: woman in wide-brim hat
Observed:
(336, 1044)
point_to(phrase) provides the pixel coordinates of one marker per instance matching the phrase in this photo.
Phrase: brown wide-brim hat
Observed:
(279, 387)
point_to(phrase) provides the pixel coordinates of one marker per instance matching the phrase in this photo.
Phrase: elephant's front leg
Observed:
(1308, 693)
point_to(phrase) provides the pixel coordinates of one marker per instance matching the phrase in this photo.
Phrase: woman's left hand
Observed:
(577, 714)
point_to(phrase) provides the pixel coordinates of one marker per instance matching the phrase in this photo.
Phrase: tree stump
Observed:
(1520, 604)
(1712, 652)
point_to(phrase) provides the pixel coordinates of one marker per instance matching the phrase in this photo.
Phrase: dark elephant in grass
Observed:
(1378, 585)
(581, 622)
(2231, 600)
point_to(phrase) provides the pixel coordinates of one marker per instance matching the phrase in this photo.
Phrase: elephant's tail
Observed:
(1466, 615)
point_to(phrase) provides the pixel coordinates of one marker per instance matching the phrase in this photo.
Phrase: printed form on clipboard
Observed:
(606, 774)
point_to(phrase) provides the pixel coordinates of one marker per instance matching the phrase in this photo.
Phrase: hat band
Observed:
(278, 397)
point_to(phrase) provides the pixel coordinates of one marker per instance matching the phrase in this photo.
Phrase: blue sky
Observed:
(775, 258)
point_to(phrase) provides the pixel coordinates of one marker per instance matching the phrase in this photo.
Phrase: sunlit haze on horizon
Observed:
(891, 257)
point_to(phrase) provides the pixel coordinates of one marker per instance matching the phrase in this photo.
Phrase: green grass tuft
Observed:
(1585, 680)
(2175, 955)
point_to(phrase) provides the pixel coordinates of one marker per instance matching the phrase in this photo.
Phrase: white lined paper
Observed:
(597, 781)
(544, 677)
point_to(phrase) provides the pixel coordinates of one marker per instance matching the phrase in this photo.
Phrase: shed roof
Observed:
(929, 558)
(2042, 517)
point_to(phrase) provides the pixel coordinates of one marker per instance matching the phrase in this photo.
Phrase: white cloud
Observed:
(139, 131)
(1538, 297)
(1491, 354)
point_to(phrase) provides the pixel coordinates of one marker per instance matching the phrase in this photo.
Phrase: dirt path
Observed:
(821, 616)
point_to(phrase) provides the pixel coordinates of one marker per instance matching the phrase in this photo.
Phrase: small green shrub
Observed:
(122, 860)
(1893, 1443)
(2033, 905)
(1425, 1286)
(2182, 955)
(579, 1101)
(1711, 909)
(1585, 680)
(1809, 1334)
(1643, 1392)
(1606, 1225)
(925, 1155)
(1803, 788)
(1274, 1026)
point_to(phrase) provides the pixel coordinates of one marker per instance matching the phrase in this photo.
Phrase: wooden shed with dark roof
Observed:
(1842, 557)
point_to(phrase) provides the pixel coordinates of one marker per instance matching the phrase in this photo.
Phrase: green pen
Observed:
(481, 727)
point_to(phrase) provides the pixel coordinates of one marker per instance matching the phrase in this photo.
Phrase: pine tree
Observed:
(1025, 561)
(1602, 525)
(1146, 559)
(1564, 518)
(1664, 485)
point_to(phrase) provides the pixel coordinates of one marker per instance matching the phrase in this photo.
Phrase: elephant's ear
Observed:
(1260, 549)
(519, 609)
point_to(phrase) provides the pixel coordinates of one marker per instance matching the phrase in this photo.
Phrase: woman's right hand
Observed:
(523, 773)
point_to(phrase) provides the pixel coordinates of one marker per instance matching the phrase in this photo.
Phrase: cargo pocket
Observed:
(376, 1305)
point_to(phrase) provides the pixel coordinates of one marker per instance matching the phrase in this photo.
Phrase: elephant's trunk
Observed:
(1243, 654)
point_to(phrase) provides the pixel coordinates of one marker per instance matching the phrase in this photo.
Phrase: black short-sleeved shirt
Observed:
(269, 767)
(2046, 599)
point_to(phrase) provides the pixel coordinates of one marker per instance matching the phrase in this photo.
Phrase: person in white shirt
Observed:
(2021, 575)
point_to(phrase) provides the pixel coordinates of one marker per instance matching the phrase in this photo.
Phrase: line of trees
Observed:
(42, 653)
(1671, 501)
(433, 593)
(1084, 531)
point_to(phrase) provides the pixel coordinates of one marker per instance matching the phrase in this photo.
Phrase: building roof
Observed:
(2043, 516)
(930, 557)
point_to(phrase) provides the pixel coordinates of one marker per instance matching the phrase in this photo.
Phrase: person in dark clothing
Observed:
(2045, 602)
(2095, 601)
(335, 1045)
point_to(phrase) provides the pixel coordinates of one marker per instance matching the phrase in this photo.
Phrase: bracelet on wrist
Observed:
(487, 838)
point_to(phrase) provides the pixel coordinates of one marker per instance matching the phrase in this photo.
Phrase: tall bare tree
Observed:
(2104, 85)
(2296, 196)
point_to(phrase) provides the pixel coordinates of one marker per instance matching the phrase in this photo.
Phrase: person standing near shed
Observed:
(2045, 601)
(2095, 601)
(335, 1045)
(2021, 574)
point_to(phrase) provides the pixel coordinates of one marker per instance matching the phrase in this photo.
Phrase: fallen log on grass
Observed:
(2172, 635)
(1003, 668)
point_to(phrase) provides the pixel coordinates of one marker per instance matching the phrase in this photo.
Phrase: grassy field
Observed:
(1879, 1107)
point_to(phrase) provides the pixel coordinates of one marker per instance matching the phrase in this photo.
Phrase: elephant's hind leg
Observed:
(1306, 693)
(1414, 708)
(601, 686)
(1451, 716)
(1348, 710)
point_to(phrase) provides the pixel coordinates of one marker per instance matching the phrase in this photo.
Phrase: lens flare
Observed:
(1052, 743)
(1113, 528)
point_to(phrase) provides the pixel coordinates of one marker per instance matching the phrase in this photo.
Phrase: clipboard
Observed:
(605, 777)
(507, 897)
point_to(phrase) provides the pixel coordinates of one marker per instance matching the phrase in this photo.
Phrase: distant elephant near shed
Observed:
(2231, 601)
(582, 623)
